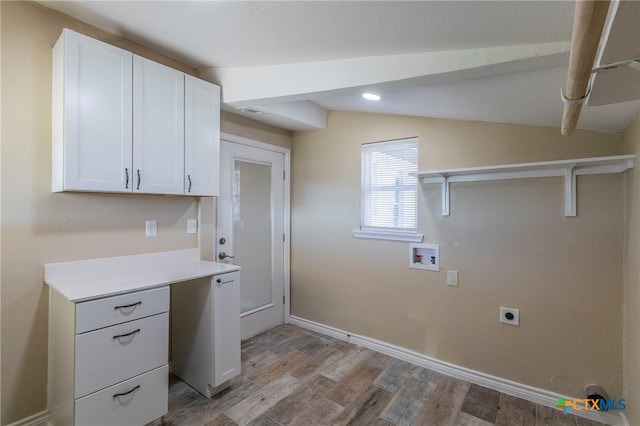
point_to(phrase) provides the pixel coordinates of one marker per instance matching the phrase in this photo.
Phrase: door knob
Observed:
(223, 256)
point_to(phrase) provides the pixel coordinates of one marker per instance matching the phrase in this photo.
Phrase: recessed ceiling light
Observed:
(371, 96)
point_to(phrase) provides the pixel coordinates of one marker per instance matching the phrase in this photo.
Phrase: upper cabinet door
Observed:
(158, 128)
(92, 117)
(202, 137)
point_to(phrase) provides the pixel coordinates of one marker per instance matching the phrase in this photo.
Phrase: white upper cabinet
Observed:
(92, 120)
(122, 123)
(202, 137)
(158, 128)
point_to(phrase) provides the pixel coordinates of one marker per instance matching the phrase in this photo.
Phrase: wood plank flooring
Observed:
(292, 376)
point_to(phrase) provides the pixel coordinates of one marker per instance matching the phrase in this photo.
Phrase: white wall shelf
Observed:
(569, 169)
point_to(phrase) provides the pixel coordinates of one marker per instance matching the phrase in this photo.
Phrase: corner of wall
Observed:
(631, 287)
(631, 137)
(251, 129)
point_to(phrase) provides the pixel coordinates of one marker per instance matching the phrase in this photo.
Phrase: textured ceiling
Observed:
(427, 58)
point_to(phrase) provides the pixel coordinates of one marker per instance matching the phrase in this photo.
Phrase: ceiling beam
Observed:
(296, 115)
(251, 86)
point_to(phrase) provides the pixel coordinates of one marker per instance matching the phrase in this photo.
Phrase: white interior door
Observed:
(251, 230)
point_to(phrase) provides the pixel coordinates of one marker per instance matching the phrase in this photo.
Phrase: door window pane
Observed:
(252, 229)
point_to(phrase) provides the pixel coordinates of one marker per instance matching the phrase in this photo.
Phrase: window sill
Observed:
(388, 235)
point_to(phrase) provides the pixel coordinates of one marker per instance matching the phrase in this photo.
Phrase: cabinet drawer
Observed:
(145, 400)
(109, 355)
(118, 309)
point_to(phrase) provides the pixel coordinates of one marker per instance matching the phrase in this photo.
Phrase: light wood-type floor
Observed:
(292, 376)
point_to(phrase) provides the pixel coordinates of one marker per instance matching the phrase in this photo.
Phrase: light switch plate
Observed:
(452, 278)
(151, 228)
(192, 226)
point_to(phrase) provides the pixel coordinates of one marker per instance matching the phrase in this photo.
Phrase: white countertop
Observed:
(84, 280)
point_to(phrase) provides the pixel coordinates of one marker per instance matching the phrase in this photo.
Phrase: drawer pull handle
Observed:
(118, 395)
(133, 305)
(220, 282)
(119, 336)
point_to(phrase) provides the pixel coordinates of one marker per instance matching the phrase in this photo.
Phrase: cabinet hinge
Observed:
(283, 299)
(284, 174)
(284, 237)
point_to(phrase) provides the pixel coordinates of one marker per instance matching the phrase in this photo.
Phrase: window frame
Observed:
(367, 230)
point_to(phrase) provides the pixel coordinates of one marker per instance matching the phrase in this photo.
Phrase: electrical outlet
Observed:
(452, 278)
(192, 226)
(151, 228)
(509, 316)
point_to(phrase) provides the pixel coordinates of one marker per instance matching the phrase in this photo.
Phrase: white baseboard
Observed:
(530, 393)
(39, 419)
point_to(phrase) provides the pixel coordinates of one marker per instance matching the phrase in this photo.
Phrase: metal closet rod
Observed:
(588, 23)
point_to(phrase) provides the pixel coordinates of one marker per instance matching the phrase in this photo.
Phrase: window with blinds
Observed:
(389, 194)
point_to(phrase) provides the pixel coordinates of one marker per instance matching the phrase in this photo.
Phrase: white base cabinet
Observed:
(205, 332)
(109, 334)
(109, 375)
(136, 401)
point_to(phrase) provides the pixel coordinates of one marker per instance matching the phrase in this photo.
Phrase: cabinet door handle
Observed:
(220, 282)
(119, 336)
(127, 306)
(139, 179)
(118, 395)
(189, 178)
(126, 181)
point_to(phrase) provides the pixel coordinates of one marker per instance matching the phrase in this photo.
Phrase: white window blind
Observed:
(389, 194)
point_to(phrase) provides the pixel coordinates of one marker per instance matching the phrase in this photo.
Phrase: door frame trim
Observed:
(286, 208)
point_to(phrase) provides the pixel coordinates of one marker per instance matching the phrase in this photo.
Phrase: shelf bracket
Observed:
(570, 191)
(444, 181)
(445, 196)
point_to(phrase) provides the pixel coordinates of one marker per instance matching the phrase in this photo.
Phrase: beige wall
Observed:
(509, 240)
(241, 126)
(631, 307)
(39, 227)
